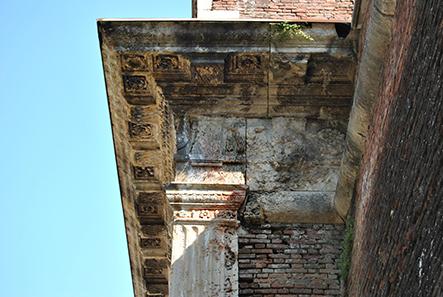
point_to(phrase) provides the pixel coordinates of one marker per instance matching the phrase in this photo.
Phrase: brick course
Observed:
(290, 260)
(334, 10)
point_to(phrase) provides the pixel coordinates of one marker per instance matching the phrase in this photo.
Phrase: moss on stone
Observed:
(346, 254)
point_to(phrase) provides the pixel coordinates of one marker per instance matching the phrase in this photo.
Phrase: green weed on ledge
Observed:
(285, 30)
(344, 263)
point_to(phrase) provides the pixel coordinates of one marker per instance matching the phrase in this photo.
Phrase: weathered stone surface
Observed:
(209, 173)
(373, 49)
(211, 150)
(293, 154)
(204, 76)
(211, 82)
(215, 139)
(291, 207)
(206, 262)
(287, 68)
(204, 246)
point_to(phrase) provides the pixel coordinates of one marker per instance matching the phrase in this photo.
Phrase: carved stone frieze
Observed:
(205, 215)
(156, 270)
(154, 230)
(167, 63)
(136, 62)
(144, 128)
(151, 243)
(208, 74)
(221, 198)
(249, 67)
(136, 89)
(135, 84)
(141, 131)
(150, 207)
(144, 173)
(156, 290)
(171, 67)
(203, 205)
(154, 238)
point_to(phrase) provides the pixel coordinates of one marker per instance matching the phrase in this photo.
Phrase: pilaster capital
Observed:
(203, 203)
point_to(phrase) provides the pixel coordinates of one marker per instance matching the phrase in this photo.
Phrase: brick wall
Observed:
(398, 246)
(334, 10)
(290, 260)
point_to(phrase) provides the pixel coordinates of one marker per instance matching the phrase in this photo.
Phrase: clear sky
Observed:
(61, 222)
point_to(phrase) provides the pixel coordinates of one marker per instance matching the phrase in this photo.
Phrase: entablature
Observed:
(195, 104)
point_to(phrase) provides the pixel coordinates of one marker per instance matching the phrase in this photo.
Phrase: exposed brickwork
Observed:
(290, 260)
(334, 10)
(398, 247)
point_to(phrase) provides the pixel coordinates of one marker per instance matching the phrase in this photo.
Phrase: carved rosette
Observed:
(171, 67)
(247, 67)
(147, 124)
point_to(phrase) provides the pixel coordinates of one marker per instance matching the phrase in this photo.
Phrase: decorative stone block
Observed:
(145, 114)
(154, 238)
(141, 131)
(156, 290)
(136, 85)
(144, 173)
(136, 62)
(157, 230)
(150, 207)
(208, 74)
(171, 67)
(148, 165)
(249, 67)
(151, 243)
(136, 89)
(156, 270)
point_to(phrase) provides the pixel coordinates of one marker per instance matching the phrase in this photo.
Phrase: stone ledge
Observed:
(290, 207)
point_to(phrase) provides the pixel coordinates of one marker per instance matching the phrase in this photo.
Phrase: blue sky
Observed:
(61, 222)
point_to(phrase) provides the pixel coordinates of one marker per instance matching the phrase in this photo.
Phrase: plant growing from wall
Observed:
(345, 257)
(285, 30)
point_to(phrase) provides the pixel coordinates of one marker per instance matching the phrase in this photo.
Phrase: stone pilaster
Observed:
(205, 240)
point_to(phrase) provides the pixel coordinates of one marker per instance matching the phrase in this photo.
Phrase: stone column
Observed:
(205, 242)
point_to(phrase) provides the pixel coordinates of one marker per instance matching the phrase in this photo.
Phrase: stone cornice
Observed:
(157, 69)
(216, 36)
